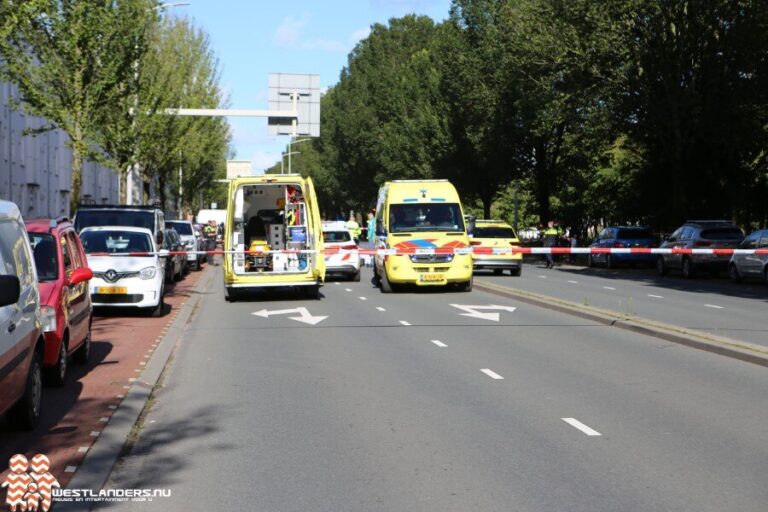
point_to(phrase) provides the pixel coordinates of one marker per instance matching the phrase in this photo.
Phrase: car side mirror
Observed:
(10, 290)
(80, 275)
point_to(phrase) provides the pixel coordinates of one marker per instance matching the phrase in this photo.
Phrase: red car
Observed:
(65, 301)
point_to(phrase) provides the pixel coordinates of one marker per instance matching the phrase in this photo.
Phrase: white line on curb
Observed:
(492, 374)
(439, 343)
(580, 426)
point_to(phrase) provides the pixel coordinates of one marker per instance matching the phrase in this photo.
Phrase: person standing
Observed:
(371, 237)
(354, 227)
(551, 234)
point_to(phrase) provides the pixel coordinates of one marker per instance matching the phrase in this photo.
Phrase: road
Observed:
(716, 306)
(399, 402)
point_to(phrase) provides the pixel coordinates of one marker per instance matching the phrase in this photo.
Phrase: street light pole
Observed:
(290, 143)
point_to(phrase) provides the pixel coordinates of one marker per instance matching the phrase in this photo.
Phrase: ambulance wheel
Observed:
(311, 292)
(230, 294)
(386, 286)
(356, 276)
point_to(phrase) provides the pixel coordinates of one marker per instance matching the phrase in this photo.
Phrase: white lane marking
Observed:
(655, 296)
(492, 374)
(609, 288)
(348, 289)
(439, 343)
(363, 298)
(337, 283)
(380, 308)
(70, 469)
(579, 425)
(542, 277)
(714, 306)
(404, 322)
(573, 282)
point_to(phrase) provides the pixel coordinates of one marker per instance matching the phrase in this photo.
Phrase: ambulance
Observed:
(421, 231)
(273, 226)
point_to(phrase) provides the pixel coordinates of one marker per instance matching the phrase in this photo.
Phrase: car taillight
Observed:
(619, 244)
(702, 243)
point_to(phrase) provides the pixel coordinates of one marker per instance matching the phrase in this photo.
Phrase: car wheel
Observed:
(356, 276)
(467, 286)
(590, 261)
(733, 273)
(765, 275)
(687, 268)
(83, 354)
(609, 262)
(25, 414)
(498, 271)
(516, 271)
(57, 375)
(661, 267)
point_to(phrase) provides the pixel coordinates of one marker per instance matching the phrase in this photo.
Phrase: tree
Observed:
(71, 60)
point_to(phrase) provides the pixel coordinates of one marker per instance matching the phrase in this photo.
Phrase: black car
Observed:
(174, 265)
(699, 234)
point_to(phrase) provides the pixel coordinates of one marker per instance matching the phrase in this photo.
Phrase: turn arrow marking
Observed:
(475, 311)
(304, 315)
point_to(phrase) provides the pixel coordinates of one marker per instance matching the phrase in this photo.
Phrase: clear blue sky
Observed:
(253, 38)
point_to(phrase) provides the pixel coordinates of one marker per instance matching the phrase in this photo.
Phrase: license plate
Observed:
(431, 278)
(111, 290)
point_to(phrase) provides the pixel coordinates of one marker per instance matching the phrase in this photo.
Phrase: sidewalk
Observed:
(74, 415)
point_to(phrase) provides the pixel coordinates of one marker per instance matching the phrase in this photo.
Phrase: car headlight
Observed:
(48, 317)
(147, 273)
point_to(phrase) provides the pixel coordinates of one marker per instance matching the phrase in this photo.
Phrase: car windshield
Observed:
(404, 218)
(182, 228)
(722, 234)
(117, 217)
(631, 234)
(115, 242)
(46, 256)
(493, 232)
(336, 236)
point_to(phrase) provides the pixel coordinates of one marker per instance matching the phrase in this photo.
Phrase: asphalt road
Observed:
(400, 403)
(713, 305)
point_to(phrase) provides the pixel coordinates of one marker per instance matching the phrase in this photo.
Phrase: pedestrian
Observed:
(354, 227)
(371, 238)
(574, 243)
(551, 235)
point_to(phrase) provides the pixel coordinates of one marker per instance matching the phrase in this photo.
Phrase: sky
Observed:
(252, 38)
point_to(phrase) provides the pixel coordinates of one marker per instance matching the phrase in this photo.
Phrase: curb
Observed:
(735, 349)
(97, 465)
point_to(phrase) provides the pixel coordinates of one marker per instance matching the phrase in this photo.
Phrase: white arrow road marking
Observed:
(473, 311)
(304, 315)
(579, 425)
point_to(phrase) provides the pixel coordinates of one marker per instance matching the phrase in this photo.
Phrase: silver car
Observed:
(744, 266)
(699, 234)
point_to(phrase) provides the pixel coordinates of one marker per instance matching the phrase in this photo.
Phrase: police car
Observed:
(342, 256)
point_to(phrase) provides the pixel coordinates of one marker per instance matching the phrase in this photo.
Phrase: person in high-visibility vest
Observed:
(551, 235)
(354, 228)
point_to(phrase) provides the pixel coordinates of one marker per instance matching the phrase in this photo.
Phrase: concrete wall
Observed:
(35, 171)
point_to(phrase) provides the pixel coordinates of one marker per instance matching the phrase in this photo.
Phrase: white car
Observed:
(125, 281)
(346, 261)
(191, 242)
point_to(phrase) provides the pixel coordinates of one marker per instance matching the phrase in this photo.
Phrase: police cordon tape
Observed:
(460, 250)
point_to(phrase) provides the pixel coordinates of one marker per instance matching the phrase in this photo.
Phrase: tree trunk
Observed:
(77, 177)
(123, 177)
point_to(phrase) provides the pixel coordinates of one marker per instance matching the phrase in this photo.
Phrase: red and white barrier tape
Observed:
(466, 250)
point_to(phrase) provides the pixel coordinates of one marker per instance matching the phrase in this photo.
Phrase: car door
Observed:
(19, 327)
(79, 298)
(600, 242)
(673, 260)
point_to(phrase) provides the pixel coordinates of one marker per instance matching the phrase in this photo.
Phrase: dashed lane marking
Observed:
(380, 308)
(439, 343)
(492, 374)
(363, 298)
(609, 288)
(404, 322)
(580, 426)
(714, 306)
(655, 296)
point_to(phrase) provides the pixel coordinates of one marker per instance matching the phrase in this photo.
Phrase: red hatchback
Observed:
(65, 302)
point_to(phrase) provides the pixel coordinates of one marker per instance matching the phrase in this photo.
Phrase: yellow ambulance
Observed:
(424, 220)
(277, 218)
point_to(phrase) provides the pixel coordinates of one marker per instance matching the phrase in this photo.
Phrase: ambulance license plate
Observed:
(112, 290)
(431, 278)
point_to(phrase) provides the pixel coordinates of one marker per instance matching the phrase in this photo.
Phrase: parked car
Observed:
(623, 237)
(125, 281)
(190, 240)
(174, 268)
(495, 234)
(347, 261)
(745, 266)
(65, 301)
(150, 217)
(21, 332)
(699, 234)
